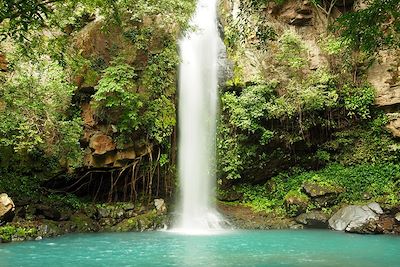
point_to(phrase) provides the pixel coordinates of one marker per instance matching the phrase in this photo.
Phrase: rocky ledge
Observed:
(363, 219)
(37, 221)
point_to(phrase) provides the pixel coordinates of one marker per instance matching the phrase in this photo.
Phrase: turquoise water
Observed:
(242, 248)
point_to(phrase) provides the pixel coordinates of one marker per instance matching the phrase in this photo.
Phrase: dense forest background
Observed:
(88, 101)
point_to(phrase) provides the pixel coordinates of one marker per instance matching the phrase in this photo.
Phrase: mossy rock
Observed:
(322, 193)
(296, 203)
(147, 221)
(83, 223)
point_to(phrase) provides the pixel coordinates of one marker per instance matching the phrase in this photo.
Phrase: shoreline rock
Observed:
(116, 217)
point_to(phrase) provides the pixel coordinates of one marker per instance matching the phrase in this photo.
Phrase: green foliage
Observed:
(379, 180)
(292, 51)
(357, 101)
(265, 33)
(67, 200)
(373, 27)
(8, 232)
(36, 99)
(256, 197)
(117, 99)
(19, 185)
(247, 110)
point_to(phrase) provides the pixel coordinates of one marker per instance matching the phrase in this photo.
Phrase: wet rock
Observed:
(352, 218)
(313, 219)
(385, 225)
(144, 222)
(7, 208)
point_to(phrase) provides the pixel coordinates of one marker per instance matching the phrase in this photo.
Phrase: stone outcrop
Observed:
(354, 218)
(7, 207)
(296, 204)
(313, 219)
(41, 220)
(160, 206)
(297, 13)
(101, 144)
(321, 194)
(384, 76)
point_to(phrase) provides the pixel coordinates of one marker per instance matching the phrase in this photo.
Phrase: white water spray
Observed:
(198, 81)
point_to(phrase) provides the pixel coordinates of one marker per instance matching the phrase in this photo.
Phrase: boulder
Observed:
(353, 218)
(7, 208)
(397, 217)
(375, 207)
(296, 204)
(160, 205)
(323, 195)
(313, 219)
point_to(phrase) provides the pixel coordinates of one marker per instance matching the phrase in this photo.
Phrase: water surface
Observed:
(242, 248)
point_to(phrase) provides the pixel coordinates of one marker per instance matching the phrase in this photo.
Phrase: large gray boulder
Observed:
(352, 218)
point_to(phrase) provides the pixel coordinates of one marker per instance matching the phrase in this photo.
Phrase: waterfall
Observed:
(198, 81)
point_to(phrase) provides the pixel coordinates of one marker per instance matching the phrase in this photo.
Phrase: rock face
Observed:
(353, 218)
(3, 63)
(101, 144)
(384, 76)
(298, 13)
(6, 207)
(313, 219)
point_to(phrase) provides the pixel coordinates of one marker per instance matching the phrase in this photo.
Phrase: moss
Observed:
(83, 223)
(147, 221)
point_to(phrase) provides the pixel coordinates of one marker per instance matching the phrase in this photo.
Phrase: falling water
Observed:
(197, 121)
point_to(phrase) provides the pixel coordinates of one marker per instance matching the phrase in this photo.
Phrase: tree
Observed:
(373, 27)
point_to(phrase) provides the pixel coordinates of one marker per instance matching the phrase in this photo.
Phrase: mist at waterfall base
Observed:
(198, 99)
(305, 248)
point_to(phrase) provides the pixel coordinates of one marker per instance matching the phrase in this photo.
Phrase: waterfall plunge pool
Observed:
(237, 248)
